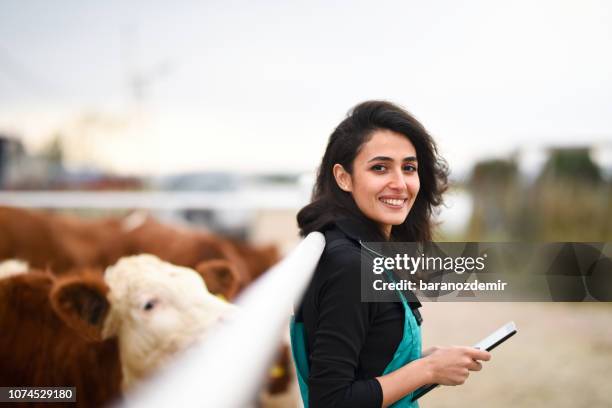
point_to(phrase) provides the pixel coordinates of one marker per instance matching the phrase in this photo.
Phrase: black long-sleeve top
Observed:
(349, 342)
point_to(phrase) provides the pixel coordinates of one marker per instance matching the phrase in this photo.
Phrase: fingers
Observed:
(457, 376)
(474, 366)
(453, 364)
(477, 354)
(462, 376)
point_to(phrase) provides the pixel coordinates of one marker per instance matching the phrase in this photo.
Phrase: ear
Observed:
(343, 178)
(221, 277)
(81, 302)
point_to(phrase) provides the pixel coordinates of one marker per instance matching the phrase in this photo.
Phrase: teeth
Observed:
(392, 201)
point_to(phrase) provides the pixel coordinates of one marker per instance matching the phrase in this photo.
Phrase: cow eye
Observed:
(150, 304)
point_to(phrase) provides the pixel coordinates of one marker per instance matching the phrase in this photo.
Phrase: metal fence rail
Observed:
(264, 199)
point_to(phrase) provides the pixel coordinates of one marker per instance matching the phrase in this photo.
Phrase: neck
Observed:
(386, 231)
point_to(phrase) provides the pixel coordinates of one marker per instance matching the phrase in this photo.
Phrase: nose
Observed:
(396, 181)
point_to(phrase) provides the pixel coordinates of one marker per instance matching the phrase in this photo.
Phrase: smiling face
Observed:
(384, 182)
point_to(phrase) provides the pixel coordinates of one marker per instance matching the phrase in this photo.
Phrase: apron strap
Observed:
(300, 356)
(413, 305)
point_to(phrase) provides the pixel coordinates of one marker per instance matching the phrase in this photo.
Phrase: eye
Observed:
(409, 168)
(378, 168)
(149, 305)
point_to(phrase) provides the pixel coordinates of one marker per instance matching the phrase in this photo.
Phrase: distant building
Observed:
(22, 171)
(11, 152)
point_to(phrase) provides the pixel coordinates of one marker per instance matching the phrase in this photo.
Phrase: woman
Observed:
(380, 179)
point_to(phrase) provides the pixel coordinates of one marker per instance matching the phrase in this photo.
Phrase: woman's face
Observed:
(384, 182)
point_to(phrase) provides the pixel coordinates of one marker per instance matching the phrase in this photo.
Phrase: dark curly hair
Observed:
(329, 202)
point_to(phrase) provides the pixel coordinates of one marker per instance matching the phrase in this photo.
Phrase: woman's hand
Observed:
(438, 365)
(428, 351)
(451, 365)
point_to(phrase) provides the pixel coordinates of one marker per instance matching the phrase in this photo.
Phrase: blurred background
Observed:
(215, 115)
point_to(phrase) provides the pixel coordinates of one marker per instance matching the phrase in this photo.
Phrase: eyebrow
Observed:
(388, 159)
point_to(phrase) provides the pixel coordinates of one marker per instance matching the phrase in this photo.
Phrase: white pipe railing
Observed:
(268, 199)
(228, 368)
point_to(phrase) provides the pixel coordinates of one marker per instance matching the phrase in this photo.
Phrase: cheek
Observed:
(162, 321)
(364, 199)
(368, 187)
(155, 323)
(414, 186)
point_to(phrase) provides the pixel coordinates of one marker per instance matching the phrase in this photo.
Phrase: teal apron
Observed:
(408, 350)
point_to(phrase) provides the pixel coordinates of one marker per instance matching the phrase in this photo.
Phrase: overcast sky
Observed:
(244, 85)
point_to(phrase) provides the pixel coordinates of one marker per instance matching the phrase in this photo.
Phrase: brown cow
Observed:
(59, 242)
(62, 242)
(189, 247)
(38, 349)
(101, 334)
(258, 258)
(28, 235)
(96, 243)
(154, 308)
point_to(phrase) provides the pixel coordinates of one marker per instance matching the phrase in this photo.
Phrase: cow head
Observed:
(154, 308)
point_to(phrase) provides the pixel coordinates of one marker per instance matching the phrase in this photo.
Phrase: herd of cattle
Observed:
(102, 304)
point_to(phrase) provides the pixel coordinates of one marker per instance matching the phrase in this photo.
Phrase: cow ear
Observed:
(81, 302)
(221, 277)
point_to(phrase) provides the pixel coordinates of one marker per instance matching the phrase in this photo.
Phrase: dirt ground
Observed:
(561, 355)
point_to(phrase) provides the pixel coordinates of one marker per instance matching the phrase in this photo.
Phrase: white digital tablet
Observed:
(488, 343)
(497, 337)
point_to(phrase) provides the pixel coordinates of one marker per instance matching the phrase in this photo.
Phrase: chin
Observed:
(392, 220)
